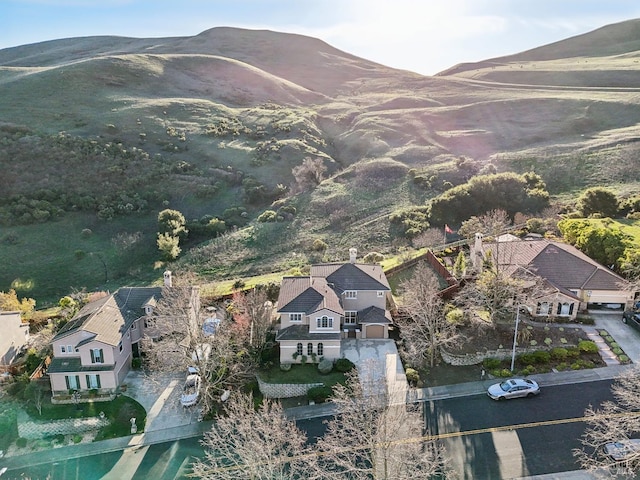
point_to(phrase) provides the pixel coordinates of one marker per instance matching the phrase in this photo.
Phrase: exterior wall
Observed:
(137, 332)
(331, 350)
(320, 313)
(14, 336)
(553, 301)
(365, 298)
(59, 384)
(285, 320)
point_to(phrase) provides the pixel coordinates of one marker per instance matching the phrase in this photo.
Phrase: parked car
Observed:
(513, 388)
(623, 450)
(631, 317)
(191, 390)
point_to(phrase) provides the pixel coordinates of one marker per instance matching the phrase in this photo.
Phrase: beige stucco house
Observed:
(94, 350)
(574, 281)
(337, 300)
(14, 337)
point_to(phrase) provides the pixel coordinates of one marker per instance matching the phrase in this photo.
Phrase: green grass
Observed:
(52, 259)
(119, 412)
(307, 373)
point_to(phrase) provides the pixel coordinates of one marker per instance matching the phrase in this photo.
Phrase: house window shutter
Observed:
(88, 381)
(101, 357)
(98, 380)
(93, 357)
(571, 308)
(66, 380)
(559, 311)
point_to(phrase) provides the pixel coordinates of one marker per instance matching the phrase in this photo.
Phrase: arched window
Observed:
(320, 349)
(299, 349)
(309, 348)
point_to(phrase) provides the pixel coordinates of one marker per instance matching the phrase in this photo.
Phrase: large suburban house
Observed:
(573, 281)
(94, 350)
(336, 301)
(15, 335)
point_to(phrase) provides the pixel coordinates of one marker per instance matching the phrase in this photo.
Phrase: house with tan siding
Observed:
(336, 301)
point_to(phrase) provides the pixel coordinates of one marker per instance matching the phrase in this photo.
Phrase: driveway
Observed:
(160, 396)
(626, 336)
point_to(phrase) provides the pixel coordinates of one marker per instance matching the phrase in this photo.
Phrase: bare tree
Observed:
(258, 444)
(616, 421)
(424, 328)
(178, 337)
(370, 439)
(309, 174)
(256, 307)
(492, 224)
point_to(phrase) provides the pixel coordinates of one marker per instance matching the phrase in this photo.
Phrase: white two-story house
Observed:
(336, 301)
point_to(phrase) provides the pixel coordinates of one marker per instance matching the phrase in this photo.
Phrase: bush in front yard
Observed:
(319, 394)
(413, 377)
(285, 367)
(542, 356)
(559, 353)
(491, 363)
(344, 365)
(325, 366)
(587, 346)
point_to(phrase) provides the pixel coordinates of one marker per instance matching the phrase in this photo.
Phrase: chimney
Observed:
(167, 279)
(353, 253)
(477, 255)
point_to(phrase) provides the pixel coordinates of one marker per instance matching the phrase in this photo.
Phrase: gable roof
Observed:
(352, 276)
(562, 265)
(108, 318)
(306, 295)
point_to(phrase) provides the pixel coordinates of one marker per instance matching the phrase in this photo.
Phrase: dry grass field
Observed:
(199, 117)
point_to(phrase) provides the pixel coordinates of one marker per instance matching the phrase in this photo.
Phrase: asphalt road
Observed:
(516, 438)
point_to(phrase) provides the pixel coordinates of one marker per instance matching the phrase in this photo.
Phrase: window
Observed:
(320, 349)
(350, 317)
(324, 322)
(69, 348)
(544, 308)
(96, 355)
(380, 294)
(93, 381)
(565, 308)
(134, 325)
(120, 346)
(63, 349)
(351, 294)
(295, 317)
(299, 349)
(72, 381)
(309, 349)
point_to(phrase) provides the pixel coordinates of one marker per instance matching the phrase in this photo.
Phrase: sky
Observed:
(423, 36)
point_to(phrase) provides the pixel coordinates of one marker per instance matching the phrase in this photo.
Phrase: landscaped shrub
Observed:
(527, 358)
(562, 366)
(344, 365)
(77, 438)
(413, 377)
(21, 442)
(303, 359)
(325, 366)
(623, 359)
(587, 346)
(617, 351)
(285, 367)
(319, 394)
(541, 356)
(528, 370)
(609, 339)
(491, 363)
(559, 353)
(573, 352)
(136, 363)
(505, 372)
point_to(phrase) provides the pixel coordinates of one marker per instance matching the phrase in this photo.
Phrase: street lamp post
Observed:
(515, 335)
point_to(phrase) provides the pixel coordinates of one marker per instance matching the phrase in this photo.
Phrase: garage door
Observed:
(375, 331)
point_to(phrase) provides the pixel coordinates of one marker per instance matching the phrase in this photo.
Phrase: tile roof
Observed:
(109, 318)
(301, 332)
(352, 276)
(307, 295)
(374, 315)
(73, 364)
(562, 265)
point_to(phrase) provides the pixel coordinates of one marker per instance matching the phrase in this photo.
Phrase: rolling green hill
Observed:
(102, 133)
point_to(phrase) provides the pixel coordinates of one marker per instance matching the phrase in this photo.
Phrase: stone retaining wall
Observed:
(285, 390)
(478, 357)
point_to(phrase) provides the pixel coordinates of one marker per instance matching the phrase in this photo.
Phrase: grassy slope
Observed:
(369, 123)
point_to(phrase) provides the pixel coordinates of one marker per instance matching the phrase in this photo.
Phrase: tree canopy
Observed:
(605, 245)
(504, 191)
(598, 200)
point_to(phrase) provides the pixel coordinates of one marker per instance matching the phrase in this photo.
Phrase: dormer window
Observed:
(148, 309)
(351, 294)
(380, 294)
(324, 322)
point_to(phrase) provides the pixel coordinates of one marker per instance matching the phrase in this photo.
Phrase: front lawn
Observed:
(119, 412)
(307, 373)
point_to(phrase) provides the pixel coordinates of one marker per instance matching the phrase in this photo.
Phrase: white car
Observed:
(191, 390)
(623, 449)
(513, 388)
